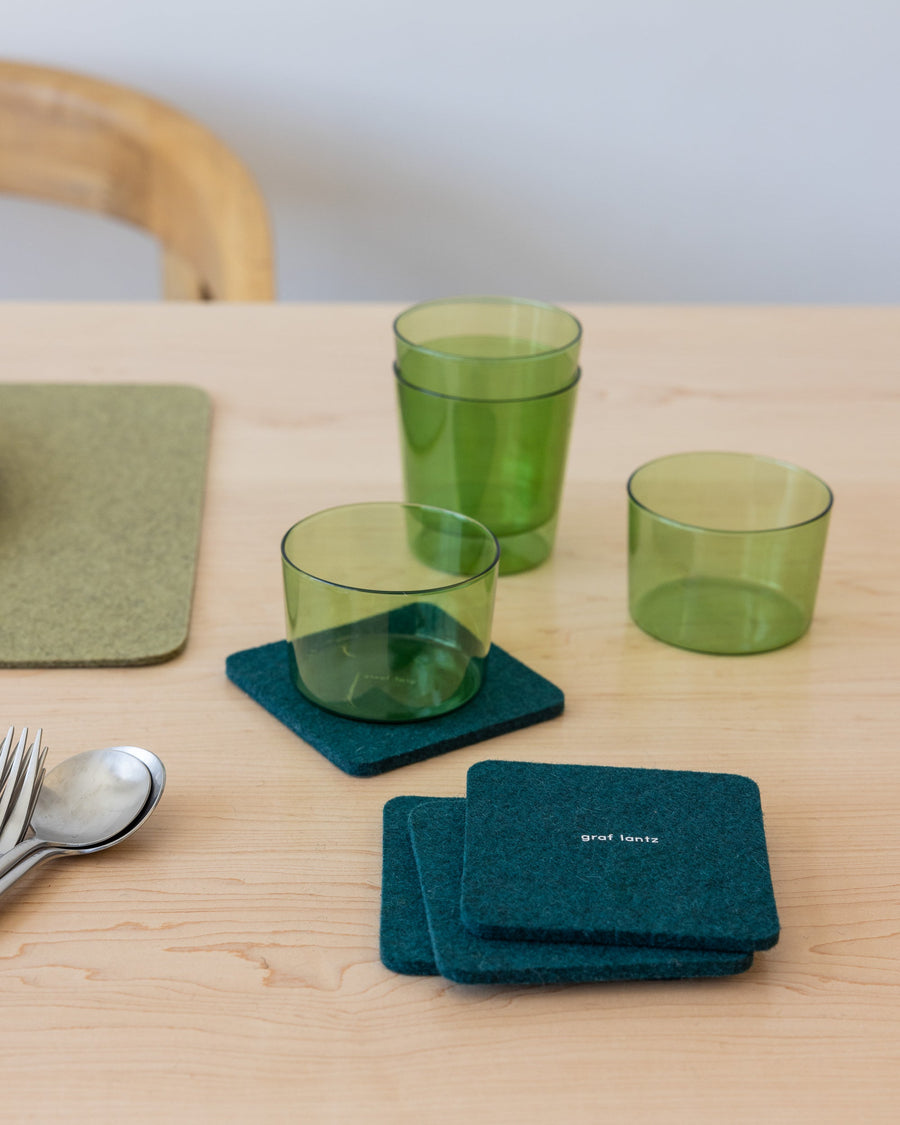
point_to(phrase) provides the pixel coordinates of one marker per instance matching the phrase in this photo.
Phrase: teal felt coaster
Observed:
(616, 855)
(512, 696)
(405, 942)
(438, 831)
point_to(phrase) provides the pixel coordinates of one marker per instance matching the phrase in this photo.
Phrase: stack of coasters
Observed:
(548, 873)
(512, 696)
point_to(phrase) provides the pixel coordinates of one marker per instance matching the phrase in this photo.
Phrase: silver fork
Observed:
(21, 777)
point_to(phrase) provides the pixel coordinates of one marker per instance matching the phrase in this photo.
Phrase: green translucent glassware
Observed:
(725, 550)
(486, 391)
(388, 609)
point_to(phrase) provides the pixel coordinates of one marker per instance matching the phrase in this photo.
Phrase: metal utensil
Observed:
(21, 777)
(4, 756)
(88, 803)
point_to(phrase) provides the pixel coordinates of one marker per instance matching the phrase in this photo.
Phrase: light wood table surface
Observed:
(222, 965)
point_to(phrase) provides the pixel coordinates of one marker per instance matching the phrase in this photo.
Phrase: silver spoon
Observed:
(87, 803)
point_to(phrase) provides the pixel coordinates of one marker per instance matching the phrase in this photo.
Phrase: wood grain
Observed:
(222, 964)
(76, 140)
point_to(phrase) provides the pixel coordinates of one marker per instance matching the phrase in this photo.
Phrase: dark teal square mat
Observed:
(616, 855)
(512, 696)
(404, 937)
(437, 828)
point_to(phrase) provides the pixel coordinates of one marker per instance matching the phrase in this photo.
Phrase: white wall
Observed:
(692, 150)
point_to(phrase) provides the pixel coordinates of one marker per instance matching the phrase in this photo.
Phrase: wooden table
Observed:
(222, 965)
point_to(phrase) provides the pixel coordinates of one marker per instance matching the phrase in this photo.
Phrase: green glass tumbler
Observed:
(388, 609)
(486, 391)
(725, 550)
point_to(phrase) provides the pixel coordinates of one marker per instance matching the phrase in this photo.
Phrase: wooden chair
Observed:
(75, 140)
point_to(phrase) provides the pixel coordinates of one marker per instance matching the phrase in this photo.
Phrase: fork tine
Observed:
(27, 760)
(18, 763)
(4, 756)
(17, 820)
(12, 778)
(36, 788)
(4, 764)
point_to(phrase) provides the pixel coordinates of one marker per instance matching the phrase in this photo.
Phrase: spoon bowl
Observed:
(90, 798)
(93, 801)
(157, 773)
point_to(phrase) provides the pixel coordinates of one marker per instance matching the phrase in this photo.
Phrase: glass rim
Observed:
(545, 306)
(458, 517)
(573, 382)
(789, 466)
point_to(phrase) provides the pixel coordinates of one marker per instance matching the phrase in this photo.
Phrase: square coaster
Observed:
(405, 941)
(438, 830)
(511, 697)
(616, 855)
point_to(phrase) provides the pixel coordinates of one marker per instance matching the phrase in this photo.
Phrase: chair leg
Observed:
(181, 282)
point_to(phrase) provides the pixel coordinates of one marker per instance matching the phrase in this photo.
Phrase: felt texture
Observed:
(511, 697)
(616, 855)
(405, 942)
(438, 831)
(101, 497)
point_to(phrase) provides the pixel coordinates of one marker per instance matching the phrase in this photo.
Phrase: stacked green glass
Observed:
(725, 550)
(486, 392)
(388, 609)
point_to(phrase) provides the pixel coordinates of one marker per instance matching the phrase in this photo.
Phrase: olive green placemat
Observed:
(101, 497)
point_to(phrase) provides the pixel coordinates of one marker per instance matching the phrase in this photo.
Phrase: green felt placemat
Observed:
(101, 497)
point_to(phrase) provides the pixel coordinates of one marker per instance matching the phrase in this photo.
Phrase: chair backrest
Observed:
(71, 139)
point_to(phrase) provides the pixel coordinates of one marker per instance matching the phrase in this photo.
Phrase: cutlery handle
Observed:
(25, 864)
(10, 860)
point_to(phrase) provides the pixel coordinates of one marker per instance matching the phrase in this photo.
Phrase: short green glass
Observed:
(486, 391)
(725, 550)
(388, 609)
